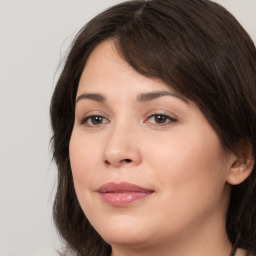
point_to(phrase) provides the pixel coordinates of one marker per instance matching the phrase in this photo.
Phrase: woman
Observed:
(154, 133)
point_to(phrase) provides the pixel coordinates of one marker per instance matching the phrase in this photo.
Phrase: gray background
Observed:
(34, 35)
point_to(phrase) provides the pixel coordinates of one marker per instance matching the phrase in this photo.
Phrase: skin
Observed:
(180, 158)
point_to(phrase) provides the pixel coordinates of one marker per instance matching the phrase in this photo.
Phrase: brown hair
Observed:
(200, 50)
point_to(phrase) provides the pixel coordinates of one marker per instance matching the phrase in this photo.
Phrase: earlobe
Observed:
(240, 170)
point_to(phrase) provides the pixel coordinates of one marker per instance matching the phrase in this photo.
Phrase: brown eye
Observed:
(161, 119)
(94, 120)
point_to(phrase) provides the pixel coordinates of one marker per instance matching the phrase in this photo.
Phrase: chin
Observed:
(124, 230)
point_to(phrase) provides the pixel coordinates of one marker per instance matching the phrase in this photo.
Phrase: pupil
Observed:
(97, 120)
(160, 119)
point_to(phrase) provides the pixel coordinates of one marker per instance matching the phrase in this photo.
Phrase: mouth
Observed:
(122, 194)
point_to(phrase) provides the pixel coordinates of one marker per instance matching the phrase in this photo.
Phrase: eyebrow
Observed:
(144, 97)
(91, 96)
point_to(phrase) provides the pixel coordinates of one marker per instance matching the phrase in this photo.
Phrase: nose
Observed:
(122, 148)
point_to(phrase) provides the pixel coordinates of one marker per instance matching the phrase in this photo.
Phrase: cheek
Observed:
(192, 179)
(189, 166)
(83, 161)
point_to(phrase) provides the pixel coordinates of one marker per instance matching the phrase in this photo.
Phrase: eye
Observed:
(94, 120)
(160, 119)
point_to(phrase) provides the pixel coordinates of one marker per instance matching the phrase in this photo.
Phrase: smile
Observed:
(122, 194)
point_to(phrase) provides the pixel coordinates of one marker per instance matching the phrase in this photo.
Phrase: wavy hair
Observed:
(200, 50)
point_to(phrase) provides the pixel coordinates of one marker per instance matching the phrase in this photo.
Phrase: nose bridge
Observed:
(122, 147)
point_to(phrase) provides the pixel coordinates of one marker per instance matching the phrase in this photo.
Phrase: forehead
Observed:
(105, 69)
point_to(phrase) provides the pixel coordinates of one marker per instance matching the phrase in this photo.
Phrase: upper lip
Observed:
(113, 187)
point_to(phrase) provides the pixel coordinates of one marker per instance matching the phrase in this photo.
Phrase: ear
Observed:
(240, 169)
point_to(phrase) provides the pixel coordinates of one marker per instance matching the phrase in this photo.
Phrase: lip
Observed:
(122, 194)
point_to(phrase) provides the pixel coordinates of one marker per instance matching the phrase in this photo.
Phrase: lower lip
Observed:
(123, 198)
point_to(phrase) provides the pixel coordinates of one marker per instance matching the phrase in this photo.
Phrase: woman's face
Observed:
(148, 168)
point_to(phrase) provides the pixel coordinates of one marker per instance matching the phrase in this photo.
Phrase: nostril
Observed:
(107, 162)
(118, 163)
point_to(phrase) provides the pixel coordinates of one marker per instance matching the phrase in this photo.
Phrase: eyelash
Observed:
(167, 119)
(85, 121)
(163, 118)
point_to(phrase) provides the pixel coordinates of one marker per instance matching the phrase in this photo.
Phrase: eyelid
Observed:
(161, 112)
(172, 117)
(83, 119)
(89, 124)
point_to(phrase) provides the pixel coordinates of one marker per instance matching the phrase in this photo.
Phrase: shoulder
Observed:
(242, 252)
